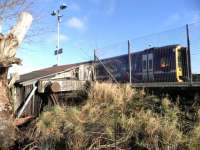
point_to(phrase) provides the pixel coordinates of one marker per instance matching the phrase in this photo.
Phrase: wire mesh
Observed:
(194, 32)
(168, 56)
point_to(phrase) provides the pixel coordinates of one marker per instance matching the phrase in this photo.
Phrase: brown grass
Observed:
(117, 115)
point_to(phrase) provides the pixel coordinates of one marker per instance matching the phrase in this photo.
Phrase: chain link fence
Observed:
(168, 56)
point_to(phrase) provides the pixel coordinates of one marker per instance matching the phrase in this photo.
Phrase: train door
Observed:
(179, 65)
(144, 67)
(150, 67)
(184, 64)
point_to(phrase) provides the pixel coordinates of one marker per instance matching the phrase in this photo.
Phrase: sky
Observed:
(105, 25)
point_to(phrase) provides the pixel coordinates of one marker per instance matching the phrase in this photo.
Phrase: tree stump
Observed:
(8, 47)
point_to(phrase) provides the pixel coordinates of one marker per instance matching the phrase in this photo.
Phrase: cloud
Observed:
(76, 23)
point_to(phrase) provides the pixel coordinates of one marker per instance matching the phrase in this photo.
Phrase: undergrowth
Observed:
(117, 116)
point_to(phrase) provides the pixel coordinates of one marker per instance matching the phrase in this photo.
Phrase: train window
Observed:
(150, 64)
(144, 64)
(164, 63)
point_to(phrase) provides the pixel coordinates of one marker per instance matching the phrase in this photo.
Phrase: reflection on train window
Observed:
(150, 64)
(144, 64)
(164, 63)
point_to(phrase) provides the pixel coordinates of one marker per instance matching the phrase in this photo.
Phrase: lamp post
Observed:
(57, 14)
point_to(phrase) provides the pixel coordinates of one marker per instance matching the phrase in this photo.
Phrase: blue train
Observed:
(157, 64)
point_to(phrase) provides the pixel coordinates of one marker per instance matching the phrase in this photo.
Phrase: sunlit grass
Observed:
(117, 115)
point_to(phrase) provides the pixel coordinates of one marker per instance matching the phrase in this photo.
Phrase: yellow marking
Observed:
(179, 70)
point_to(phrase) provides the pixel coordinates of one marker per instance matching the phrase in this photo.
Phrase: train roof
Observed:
(161, 47)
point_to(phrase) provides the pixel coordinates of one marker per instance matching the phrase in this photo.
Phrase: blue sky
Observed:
(90, 24)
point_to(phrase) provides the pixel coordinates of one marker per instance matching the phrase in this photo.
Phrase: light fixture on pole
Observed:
(58, 50)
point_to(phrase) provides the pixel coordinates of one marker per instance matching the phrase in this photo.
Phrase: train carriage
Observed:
(160, 64)
(157, 64)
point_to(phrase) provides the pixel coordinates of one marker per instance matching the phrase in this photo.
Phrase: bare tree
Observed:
(8, 46)
(10, 9)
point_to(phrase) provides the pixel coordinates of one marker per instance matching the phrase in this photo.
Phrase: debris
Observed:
(21, 121)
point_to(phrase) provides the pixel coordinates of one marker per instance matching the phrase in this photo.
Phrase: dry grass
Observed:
(194, 136)
(117, 116)
(7, 133)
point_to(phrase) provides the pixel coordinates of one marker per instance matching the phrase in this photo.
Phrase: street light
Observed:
(63, 6)
(58, 50)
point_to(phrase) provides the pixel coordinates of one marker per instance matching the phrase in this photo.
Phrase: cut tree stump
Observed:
(8, 46)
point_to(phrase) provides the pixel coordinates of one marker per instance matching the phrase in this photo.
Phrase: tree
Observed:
(10, 9)
(8, 46)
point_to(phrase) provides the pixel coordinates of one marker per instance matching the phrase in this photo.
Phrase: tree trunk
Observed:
(8, 47)
(7, 130)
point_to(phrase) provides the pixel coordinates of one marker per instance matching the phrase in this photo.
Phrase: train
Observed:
(157, 64)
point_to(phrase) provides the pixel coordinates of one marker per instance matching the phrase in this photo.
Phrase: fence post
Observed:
(188, 54)
(94, 65)
(94, 55)
(129, 62)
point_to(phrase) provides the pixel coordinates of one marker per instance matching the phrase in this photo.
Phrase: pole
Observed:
(58, 42)
(94, 55)
(129, 62)
(94, 65)
(188, 54)
(58, 50)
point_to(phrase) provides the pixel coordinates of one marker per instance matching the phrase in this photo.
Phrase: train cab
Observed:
(181, 64)
(163, 64)
(157, 64)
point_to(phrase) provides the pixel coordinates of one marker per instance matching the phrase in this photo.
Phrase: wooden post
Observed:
(189, 54)
(94, 65)
(94, 55)
(129, 62)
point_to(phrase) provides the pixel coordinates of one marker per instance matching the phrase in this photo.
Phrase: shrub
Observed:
(116, 115)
